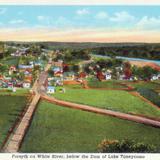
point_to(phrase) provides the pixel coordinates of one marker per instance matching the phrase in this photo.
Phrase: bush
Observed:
(130, 146)
(150, 95)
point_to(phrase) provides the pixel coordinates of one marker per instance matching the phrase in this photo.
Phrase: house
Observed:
(1, 77)
(82, 75)
(57, 71)
(108, 76)
(155, 77)
(10, 85)
(58, 64)
(28, 78)
(59, 83)
(26, 84)
(12, 69)
(50, 89)
(100, 75)
(25, 67)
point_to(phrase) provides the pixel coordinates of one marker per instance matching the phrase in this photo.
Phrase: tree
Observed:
(75, 68)
(115, 146)
(3, 68)
(127, 70)
(1, 49)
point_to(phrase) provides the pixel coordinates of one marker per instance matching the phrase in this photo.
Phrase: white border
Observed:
(79, 2)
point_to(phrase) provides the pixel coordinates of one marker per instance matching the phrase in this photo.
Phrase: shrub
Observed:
(150, 95)
(130, 146)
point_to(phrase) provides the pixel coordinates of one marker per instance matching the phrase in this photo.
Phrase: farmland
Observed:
(59, 129)
(10, 61)
(10, 107)
(105, 84)
(109, 99)
(19, 92)
(149, 85)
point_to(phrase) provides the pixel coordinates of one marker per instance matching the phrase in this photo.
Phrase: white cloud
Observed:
(101, 15)
(149, 23)
(17, 21)
(83, 11)
(3, 10)
(122, 17)
(42, 18)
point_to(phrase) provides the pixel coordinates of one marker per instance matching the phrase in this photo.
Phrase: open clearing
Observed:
(149, 85)
(105, 84)
(59, 129)
(10, 107)
(109, 99)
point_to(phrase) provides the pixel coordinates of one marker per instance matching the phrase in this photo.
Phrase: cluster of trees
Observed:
(3, 68)
(129, 146)
(26, 59)
(69, 55)
(102, 64)
(147, 51)
(144, 73)
(1, 50)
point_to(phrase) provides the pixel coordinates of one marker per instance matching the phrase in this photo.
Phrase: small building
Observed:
(57, 71)
(25, 67)
(50, 89)
(82, 75)
(155, 77)
(108, 76)
(26, 84)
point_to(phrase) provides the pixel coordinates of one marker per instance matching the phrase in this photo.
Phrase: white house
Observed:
(26, 84)
(50, 89)
(155, 77)
(108, 76)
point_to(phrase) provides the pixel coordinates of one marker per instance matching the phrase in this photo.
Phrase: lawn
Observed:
(59, 129)
(19, 92)
(10, 107)
(149, 85)
(105, 84)
(109, 99)
(10, 61)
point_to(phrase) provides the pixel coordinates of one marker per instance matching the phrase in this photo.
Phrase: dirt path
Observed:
(125, 116)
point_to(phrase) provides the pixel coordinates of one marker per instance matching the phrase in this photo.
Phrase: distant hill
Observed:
(136, 50)
(80, 45)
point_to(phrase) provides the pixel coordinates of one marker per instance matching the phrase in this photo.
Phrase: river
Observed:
(131, 59)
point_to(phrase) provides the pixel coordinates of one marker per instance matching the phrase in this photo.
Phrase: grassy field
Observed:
(149, 85)
(10, 107)
(105, 84)
(109, 99)
(10, 61)
(19, 91)
(59, 129)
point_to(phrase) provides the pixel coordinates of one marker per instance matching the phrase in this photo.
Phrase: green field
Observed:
(149, 85)
(19, 92)
(109, 99)
(59, 129)
(10, 107)
(10, 61)
(105, 84)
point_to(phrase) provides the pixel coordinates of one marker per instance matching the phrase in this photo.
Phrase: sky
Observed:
(80, 23)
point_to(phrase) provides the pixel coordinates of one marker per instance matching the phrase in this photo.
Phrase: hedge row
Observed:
(150, 95)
